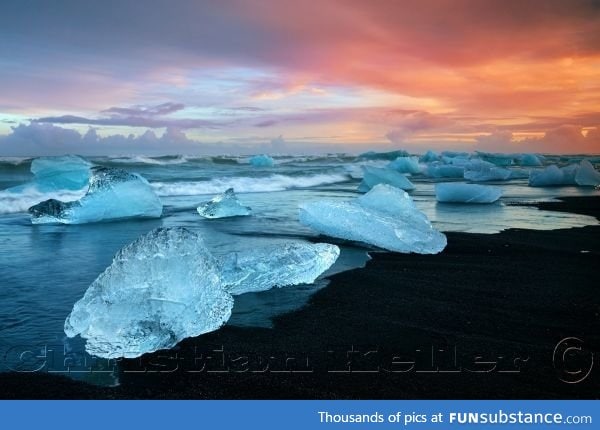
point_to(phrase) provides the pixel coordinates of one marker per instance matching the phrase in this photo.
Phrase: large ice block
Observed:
(278, 265)
(160, 289)
(385, 217)
(223, 205)
(113, 194)
(454, 192)
(553, 176)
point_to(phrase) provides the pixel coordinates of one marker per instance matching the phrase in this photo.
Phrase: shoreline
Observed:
(508, 298)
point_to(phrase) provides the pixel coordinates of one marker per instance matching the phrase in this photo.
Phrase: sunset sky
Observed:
(299, 76)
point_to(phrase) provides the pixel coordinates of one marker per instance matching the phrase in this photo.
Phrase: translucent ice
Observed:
(586, 175)
(262, 160)
(529, 160)
(276, 266)
(429, 156)
(405, 165)
(223, 205)
(160, 289)
(385, 217)
(112, 194)
(68, 172)
(440, 170)
(375, 175)
(497, 159)
(553, 176)
(480, 171)
(390, 155)
(466, 193)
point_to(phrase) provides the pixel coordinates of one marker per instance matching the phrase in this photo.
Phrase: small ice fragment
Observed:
(223, 205)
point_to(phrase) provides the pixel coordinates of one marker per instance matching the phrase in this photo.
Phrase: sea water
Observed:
(45, 269)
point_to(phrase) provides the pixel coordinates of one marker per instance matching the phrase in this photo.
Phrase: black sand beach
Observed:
(486, 318)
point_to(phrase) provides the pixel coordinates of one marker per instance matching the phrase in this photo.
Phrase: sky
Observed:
(289, 76)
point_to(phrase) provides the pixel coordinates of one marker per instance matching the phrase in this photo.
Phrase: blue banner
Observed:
(274, 414)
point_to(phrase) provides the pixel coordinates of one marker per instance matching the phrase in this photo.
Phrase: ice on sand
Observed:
(222, 206)
(454, 192)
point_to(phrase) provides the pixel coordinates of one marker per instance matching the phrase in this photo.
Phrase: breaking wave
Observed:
(247, 184)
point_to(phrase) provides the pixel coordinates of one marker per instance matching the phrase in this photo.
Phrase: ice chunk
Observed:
(390, 155)
(405, 165)
(439, 170)
(497, 159)
(518, 174)
(112, 194)
(429, 156)
(262, 160)
(68, 172)
(466, 193)
(276, 266)
(375, 175)
(223, 205)
(160, 289)
(586, 175)
(553, 176)
(385, 217)
(529, 160)
(480, 171)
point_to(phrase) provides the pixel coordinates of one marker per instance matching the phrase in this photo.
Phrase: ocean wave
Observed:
(142, 159)
(13, 202)
(247, 184)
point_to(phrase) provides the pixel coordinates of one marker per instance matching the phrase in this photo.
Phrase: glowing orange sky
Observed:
(497, 75)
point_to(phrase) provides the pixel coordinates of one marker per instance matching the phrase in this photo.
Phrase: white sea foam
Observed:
(246, 184)
(13, 202)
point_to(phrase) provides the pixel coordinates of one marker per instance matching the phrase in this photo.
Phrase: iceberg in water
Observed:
(429, 157)
(481, 171)
(405, 165)
(376, 175)
(276, 266)
(112, 194)
(586, 175)
(223, 205)
(390, 155)
(466, 193)
(262, 160)
(160, 289)
(67, 172)
(497, 159)
(530, 160)
(553, 176)
(385, 217)
(440, 170)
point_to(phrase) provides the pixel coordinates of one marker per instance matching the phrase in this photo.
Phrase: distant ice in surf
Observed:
(586, 175)
(375, 175)
(262, 160)
(553, 176)
(405, 165)
(454, 192)
(385, 217)
(482, 171)
(112, 194)
(222, 206)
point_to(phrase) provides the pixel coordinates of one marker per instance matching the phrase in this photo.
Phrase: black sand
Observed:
(497, 305)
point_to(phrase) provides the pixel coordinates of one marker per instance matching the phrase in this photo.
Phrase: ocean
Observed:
(45, 269)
